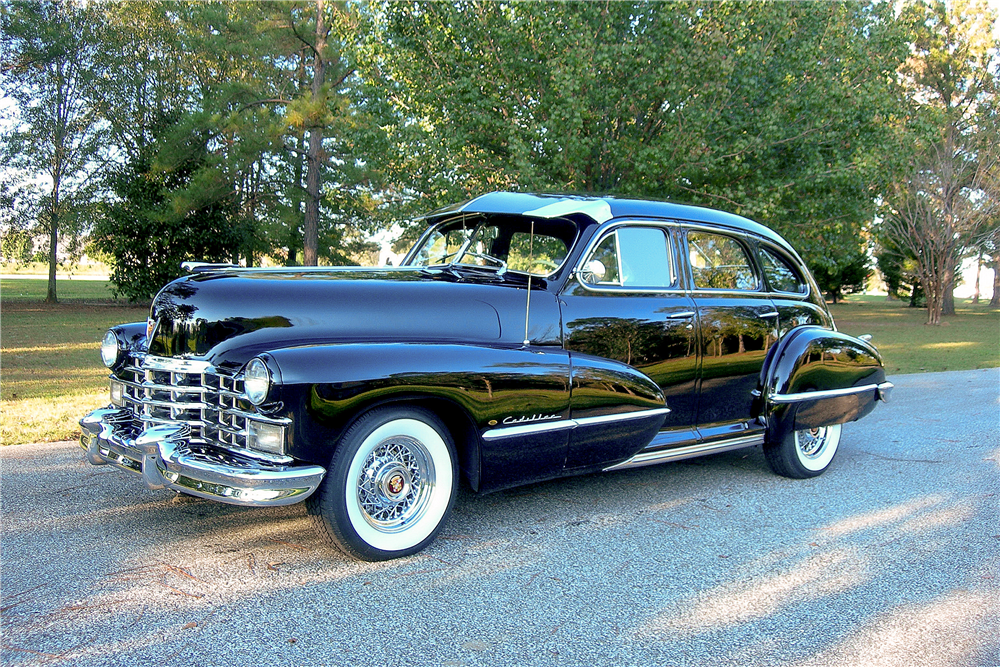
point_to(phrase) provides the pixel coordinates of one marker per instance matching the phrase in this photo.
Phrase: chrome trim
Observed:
(201, 267)
(627, 416)
(781, 399)
(165, 459)
(526, 429)
(646, 458)
(601, 234)
(566, 424)
(884, 391)
(171, 364)
(164, 391)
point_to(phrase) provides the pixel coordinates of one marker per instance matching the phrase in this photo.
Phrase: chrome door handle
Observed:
(768, 315)
(686, 315)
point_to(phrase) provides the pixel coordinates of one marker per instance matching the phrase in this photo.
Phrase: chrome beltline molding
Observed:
(565, 424)
(883, 390)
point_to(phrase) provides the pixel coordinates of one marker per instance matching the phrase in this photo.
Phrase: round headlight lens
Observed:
(256, 381)
(110, 349)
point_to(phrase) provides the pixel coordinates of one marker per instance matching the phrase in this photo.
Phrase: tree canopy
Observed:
(305, 126)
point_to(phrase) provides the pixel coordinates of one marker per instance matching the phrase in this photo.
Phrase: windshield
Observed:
(503, 245)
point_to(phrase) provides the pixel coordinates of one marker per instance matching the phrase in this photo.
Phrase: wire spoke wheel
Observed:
(390, 486)
(804, 453)
(396, 484)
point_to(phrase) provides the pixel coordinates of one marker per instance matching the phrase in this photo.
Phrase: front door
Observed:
(628, 305)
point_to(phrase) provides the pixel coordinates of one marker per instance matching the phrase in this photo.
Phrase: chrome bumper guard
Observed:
(166, 460)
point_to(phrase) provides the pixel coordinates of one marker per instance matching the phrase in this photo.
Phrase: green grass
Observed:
(968, 340)
(69, 291)
(51, 373)
(50, 368)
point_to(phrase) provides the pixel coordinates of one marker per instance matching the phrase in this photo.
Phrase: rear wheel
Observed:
(390, 485)
(804, 453)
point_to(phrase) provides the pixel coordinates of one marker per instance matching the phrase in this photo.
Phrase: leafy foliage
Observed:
(148, 236)
(772, 110)
(56, 140)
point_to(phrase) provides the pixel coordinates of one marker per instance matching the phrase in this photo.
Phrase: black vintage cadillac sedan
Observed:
(523, 338)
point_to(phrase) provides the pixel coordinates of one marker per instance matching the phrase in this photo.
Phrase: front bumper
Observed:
(167, 460)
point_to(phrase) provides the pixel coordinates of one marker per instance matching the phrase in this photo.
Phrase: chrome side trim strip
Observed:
(527, 429)
(566, 424)
(645, 458)
(819, 395)
(639, 414)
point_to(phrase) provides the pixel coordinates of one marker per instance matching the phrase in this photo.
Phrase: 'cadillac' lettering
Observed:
(510, 421)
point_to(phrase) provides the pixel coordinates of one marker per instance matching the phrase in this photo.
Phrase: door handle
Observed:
(686, 315)
(765, 316)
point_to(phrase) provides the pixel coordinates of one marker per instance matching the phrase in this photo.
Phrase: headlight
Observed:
(256, 381)
(110, 349)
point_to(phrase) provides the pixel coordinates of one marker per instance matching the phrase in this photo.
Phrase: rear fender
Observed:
(819, 377)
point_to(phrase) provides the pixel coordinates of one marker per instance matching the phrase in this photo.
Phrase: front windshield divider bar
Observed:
(531, 259)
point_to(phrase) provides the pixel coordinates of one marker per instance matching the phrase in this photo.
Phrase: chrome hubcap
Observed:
(395, 484)
(811, 441)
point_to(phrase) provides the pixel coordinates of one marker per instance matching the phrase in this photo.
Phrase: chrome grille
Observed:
(169, 391)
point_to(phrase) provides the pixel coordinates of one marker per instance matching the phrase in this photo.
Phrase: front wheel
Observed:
(804, 453)
(390, 485)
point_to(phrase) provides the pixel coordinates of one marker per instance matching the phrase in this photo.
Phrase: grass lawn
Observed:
(51, 373)
(50, 367)
(969, 340)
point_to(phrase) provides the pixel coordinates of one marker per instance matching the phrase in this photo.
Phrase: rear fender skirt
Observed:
(818, 377)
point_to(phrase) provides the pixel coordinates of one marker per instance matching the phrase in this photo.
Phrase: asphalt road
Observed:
(890, 558)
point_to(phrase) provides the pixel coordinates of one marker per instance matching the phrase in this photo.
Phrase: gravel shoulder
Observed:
(890, 558)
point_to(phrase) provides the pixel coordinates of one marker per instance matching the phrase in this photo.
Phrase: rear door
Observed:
(738, 324)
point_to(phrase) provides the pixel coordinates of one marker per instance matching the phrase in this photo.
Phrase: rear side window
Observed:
(781, 274)
(631, 257)
(720, 262)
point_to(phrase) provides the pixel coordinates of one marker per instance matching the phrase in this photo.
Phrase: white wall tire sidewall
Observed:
(819, 463)
(440, 499)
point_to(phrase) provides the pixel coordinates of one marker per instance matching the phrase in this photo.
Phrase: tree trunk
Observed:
(979, 270)
(51, 296)
(310, 241)
(948, 296)
(995, 301)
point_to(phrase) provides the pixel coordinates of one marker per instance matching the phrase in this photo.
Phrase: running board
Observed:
(647, 458)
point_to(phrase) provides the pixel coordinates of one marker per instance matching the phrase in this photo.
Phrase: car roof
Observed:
(587, 210)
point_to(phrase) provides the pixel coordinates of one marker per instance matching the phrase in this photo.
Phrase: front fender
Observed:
(818, 377)
(488, 388)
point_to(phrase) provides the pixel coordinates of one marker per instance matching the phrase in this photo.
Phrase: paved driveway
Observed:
(890, 558)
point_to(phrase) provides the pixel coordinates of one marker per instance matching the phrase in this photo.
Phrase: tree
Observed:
(57, 141)
(778, 111)
(950, 192)
(148, 237)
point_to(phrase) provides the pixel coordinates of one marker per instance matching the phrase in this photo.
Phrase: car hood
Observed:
(229, 316)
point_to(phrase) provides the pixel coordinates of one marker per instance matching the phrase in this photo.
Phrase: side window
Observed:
(720, 262)
(631, 257)
(781, 274)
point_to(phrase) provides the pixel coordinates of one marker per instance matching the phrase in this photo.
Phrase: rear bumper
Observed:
(167, 460)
